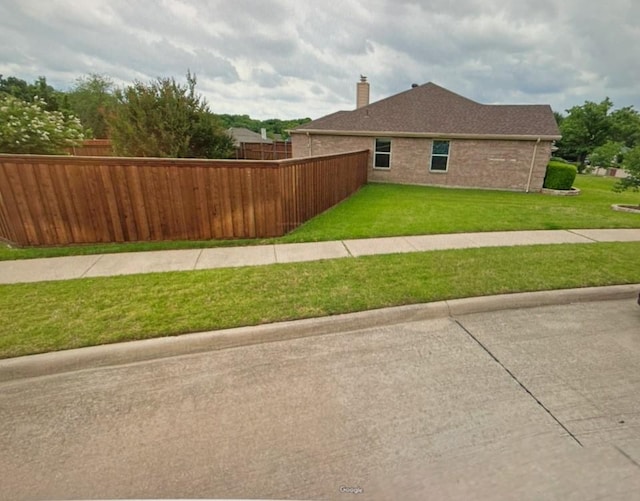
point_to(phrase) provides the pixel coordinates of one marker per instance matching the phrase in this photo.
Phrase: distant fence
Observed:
(277, 150)
(58, 200)
(93, 148)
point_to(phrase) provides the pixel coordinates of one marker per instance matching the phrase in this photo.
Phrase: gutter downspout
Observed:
(309, 144)
(533, 161)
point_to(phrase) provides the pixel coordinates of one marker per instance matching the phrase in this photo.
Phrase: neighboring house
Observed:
(253, 146)
(430, 135)
(241, 135)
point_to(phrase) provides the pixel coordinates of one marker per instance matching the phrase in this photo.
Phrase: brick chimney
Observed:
(362, 92)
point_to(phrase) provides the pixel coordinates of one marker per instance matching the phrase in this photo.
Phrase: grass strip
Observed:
(50, 316)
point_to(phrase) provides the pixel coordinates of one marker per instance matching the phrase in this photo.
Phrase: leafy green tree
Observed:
(91, 100)
(282, 126)
(631, 164)
(625, 126)
(30, 128)
(272, 125)
(606, 155)
(166, 119)
(244, 121)
(38, 90)
(585, 128)
(201, 145)
(559, 117)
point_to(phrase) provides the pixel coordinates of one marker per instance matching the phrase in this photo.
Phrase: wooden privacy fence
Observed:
(58, 200)
(93, 148)
(276, 150)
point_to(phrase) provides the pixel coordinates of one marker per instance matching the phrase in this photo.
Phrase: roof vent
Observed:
(414, 85)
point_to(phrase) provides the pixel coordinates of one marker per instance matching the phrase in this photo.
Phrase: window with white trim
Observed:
(439, 156)
(382, 155)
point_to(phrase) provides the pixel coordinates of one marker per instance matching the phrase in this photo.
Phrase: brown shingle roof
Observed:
(431, 109)
(241, 135)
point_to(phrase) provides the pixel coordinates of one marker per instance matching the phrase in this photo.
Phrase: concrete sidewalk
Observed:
(102, 265)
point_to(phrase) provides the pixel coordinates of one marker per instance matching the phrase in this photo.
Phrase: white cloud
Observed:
(298, 58)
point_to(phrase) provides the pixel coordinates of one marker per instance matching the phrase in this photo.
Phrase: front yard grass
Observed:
(50, 316)
(380, 210)
(389, 210)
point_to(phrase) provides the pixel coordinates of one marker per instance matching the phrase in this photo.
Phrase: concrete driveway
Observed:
(539, 403)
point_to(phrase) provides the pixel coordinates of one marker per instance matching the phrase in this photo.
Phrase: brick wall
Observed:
(473, 163)
(304, 146)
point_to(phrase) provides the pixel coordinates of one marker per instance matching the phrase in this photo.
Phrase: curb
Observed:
(47, 364)
(625, 208)
(571, 192)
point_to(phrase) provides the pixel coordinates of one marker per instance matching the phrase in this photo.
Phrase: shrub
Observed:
(559, 176)
(30, 128)
(560, 159)
(631, 165)
(166, 119)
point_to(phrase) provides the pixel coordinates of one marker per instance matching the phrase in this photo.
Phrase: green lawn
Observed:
(50, 316)
(385, 210)
(68, 314)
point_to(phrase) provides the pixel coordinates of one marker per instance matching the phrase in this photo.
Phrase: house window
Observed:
(439, 156)
(382, 158)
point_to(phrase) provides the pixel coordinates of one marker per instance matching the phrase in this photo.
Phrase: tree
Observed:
(30, 128)
(272, 125)
(206, 127)
(631, 164)
(244, 121)
(606, 155)
(625, 126)
(38, 90)
(91, 100)
(585, 128)
(559, 117)
(166, 119)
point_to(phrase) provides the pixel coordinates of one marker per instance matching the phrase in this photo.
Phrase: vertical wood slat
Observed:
(50, 201)
(140, 214)
(13, 229)
(237, 218)
(201, 203)
(122, 189)
(96, 205)
(64, 191)
(175, 199)
(38, 225)
(47, 200)
(73, 185)
(187, 189)
(212, 188)
(112, 202)
(224, 197)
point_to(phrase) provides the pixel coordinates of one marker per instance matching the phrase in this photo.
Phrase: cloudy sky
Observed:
(298, 58)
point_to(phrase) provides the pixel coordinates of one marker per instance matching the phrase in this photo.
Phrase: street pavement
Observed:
(528, 404)
(101, 265)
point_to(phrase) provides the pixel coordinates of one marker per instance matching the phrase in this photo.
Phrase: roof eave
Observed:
(512, 137)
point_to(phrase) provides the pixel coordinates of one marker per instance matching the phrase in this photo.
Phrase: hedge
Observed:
(559, 176)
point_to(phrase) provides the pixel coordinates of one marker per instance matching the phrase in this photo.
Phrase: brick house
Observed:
(430, 135)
